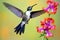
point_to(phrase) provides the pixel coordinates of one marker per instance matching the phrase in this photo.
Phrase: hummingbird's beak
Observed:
(34, 5)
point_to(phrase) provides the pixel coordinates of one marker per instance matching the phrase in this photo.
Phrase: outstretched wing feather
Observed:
(13, 9)
(37, 13)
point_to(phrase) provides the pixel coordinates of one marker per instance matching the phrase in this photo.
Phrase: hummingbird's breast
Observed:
(28, 14)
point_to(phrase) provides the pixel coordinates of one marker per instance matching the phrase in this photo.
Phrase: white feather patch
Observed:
(28, 14)
(23, 23)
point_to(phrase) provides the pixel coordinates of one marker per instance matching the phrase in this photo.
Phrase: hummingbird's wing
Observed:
(15, 10)
(37, 13)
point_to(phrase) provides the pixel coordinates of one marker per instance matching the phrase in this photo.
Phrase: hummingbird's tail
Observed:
(20, 28)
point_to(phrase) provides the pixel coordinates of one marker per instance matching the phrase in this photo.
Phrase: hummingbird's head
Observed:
(30, 7)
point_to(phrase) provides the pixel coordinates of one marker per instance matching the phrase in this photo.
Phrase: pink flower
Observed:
(51, 6)
(46, 26)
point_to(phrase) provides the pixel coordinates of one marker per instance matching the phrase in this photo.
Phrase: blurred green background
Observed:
(8, 21)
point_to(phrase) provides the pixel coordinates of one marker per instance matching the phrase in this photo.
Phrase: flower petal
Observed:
(40, 29)
(48, 34)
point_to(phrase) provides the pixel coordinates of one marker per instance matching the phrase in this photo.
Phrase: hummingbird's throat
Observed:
(28, 14)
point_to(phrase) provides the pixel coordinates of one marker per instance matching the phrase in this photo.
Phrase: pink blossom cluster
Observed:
(52, 7)
(46, 25)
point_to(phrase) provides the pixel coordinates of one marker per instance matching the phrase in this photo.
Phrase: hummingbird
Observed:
(26, 16)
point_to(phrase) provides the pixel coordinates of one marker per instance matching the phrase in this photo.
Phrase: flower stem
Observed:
(43, 38)
(49, 14)
(46, 38)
